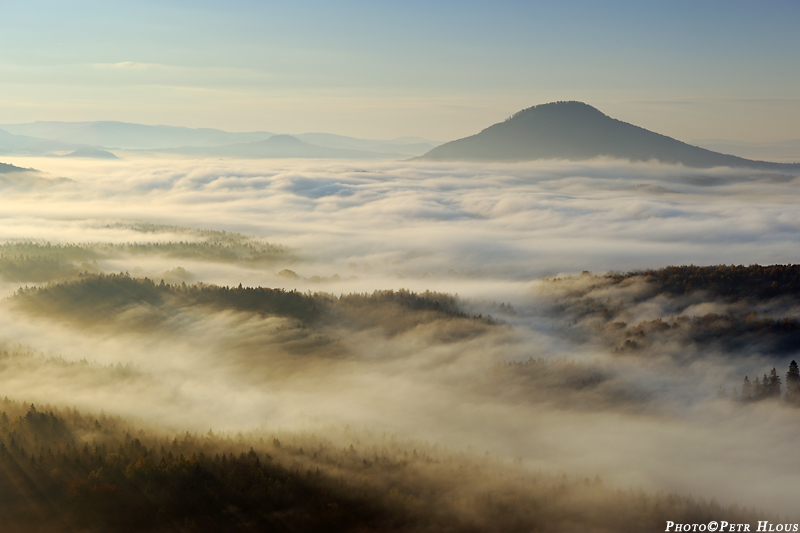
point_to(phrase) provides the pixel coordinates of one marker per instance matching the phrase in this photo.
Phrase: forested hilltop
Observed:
(96, 298)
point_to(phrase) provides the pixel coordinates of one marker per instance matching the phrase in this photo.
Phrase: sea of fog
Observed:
(487, 232)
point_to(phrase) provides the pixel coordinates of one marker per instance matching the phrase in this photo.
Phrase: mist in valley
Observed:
(475, 311)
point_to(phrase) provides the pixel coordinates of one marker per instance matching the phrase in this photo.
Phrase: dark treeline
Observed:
(402, 310)
(732, 282)
(769, 387)
(427, 301)
(61, 470)
(731, 333)
(754, 309)
(100, 297)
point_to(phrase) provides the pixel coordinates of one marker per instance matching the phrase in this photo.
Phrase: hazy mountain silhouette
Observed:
(92, 153)
(130, 136)
(25, 145)
(576, 131)
(7, 168)
(46, 138)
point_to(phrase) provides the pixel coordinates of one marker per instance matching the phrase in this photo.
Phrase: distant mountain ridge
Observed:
(113, 134)
(25, 145)
(57, 138)
(576, 131)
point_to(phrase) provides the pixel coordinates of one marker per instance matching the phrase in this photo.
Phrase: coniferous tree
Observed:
(774, 384)
(793, 382)
(747, 390)
(757, 389)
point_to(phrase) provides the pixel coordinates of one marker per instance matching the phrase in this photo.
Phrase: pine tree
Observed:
(774, 385)
(747, 390)
(757, 389)
(793, 382)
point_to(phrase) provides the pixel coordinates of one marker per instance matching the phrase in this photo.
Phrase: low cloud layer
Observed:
(488, 233)
(402, 218)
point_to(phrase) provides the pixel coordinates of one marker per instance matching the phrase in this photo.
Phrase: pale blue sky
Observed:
(728, 69)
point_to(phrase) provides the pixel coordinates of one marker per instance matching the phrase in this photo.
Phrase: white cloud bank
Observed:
(512, 222)
(486, 232)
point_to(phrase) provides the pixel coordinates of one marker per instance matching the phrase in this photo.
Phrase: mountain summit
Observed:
(576, 131)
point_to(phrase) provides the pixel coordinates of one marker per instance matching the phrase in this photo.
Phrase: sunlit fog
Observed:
(510, 315)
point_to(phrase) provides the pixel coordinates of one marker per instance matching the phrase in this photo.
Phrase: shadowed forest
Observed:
(65, 470)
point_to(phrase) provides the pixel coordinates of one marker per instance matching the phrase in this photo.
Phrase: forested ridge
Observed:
(733, 282)
(726, 332)
(100, 296)
(733, 309)
(63, 470)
